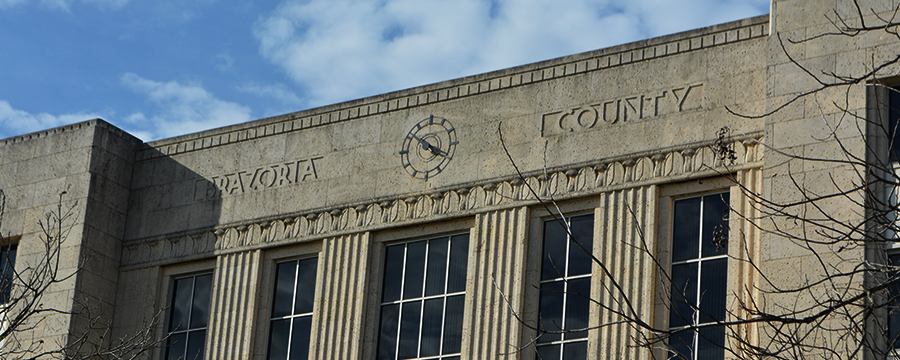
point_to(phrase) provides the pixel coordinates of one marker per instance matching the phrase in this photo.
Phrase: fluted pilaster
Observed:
(495, 289)
(625, 244)
(341, 302)
(233, 306)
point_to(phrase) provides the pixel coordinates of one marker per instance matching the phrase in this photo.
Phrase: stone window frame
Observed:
(265, 289)
(453, 240)
(565, 279)
(881, 94)
(699, 259)
(668, 194)
(375, 274)
(6, 245)
(292, 316)
(190, 328)
(538, 215)
(168, 275)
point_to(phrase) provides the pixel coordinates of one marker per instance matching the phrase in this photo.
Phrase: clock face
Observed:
(428, 147)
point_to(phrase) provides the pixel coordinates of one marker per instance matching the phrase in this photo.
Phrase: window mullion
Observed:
(422, 294)
(446, 282)
(696, 319)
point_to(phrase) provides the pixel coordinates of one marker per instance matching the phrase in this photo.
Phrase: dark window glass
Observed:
(292, 308)
(7, 271)
(699, 276)
(894, 125)
(564, 300)
(188, 317)
(893, 308)
(393, 266)
(426, 321)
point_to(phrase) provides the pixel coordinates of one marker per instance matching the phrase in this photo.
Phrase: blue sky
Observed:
(164, 68)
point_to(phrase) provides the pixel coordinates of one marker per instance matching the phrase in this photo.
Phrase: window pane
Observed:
(684, 294)
(306, 286)
(548, 352)
(453, 324)
(409, 330)
(686, 230)
(181, 304)
(300, 338)
(437, 266)
(278, 339)
(580, 261)
(7, 266)
(577, 307)
(894, 307)
(712, 290)
(387, 337)
(196, 340)
(175, 346)
(393, 273)
(553, 258)
(459, 257)
(431, 327)
(284, 288)
(550, 310)
(711, 343)
(683, 344)
(715, 224)
(575, 351)
(415, 270)
(200, 303)
(894, 126)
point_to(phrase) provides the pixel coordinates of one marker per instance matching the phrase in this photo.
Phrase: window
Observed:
(699, 275)
(7, 271)
(188, 317)
(565, 288)
(893, 142)
(292, 309)
(893, 308)
(422, 299)
(892, 221)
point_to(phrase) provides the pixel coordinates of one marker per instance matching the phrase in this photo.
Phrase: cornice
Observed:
(561, 183)
(597, 60)
(71, 127)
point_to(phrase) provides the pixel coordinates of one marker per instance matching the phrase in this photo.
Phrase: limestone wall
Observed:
(91, 163)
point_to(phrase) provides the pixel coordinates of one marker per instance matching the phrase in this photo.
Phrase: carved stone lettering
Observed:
(622, 110)
(259, 179)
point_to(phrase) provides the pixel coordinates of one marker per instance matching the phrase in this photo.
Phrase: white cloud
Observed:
(16, 122)
(180, 109)
(341, 49)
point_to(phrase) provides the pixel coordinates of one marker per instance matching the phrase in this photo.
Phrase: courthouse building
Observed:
(431, 222)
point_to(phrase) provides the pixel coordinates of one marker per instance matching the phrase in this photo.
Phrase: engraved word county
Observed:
(621, 110)
(261, 178)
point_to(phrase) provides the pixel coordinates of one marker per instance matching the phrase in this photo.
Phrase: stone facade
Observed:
(619, 133)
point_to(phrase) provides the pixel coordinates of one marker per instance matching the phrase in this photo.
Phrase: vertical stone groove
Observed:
(232, 307)
(340, 298)
(744, 244)
(496, 266)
